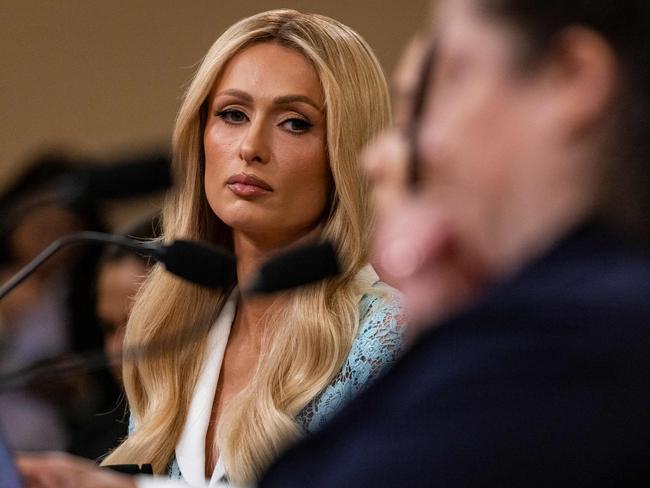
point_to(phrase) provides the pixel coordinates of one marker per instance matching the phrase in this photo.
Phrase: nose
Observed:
(385, 162)
(254, 146)
(385, 159)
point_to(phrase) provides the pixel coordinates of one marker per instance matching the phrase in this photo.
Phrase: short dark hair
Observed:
(625, 26)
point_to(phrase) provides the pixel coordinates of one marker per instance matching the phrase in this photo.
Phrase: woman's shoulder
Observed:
(380, 337)
(380, 307)
(378, 344)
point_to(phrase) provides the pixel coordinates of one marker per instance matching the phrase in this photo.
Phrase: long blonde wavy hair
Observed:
(319, 323)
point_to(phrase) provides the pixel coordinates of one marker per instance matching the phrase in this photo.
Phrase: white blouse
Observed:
(190, 449)
(377, 346)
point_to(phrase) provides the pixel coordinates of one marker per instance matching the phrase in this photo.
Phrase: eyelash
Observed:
(226, 116)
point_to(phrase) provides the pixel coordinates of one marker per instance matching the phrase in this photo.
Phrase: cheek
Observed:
(473, 142)
(305, 181)
(221, 154)
(472, 151)
(220, 144)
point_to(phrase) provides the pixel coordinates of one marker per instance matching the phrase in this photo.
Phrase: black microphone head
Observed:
(200, 263)
(297, 267)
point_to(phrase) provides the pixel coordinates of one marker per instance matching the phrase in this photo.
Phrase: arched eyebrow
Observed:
(282, 100)
(288, 99)
(234, 92)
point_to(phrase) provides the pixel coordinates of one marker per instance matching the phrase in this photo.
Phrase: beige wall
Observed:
(103, 76)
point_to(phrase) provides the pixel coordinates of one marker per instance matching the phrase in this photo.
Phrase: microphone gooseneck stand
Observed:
(196, 262)
(199, 263)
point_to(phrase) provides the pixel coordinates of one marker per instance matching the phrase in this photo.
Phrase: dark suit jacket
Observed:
(546, 382)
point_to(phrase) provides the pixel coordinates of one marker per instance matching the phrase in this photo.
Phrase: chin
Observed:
(240, 212)
(248, 220)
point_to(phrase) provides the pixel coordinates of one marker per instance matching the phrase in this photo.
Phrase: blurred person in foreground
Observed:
(266, 150)
(524, 256)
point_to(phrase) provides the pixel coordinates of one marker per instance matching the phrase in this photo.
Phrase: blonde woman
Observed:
(265, 153)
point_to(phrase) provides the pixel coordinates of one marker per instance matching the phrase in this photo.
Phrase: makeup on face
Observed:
(245, 185)
(265, 144)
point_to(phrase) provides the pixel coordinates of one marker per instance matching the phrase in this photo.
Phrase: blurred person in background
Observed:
(120, 274)
(52, 313)
(119, 277)
(50, 319)
(524, 255)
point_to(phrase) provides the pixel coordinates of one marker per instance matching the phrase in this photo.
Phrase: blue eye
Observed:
(297, 125)
(232, 116)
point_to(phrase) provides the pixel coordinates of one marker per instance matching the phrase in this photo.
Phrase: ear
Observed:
(581, 73)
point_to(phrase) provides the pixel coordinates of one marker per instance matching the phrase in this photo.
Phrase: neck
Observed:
(250, 311)
(251, 252)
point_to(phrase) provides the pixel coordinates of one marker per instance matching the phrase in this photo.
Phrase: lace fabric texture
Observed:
(379, 342)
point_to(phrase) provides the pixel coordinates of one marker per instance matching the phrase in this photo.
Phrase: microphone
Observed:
(298, 267)
(198, 262)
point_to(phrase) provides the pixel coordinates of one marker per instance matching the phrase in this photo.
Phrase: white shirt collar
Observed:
(190, 449)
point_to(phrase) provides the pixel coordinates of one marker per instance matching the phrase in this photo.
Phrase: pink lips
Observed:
(247, 185)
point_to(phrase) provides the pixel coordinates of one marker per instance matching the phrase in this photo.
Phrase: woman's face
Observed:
(118, 283)
(266, 167)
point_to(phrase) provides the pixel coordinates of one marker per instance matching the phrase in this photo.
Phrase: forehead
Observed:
(269, 69)
(446, 11)
(476, 43)
(465, 25)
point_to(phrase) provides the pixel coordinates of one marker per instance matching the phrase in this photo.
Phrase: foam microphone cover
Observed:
(297, 267)
(200, 263)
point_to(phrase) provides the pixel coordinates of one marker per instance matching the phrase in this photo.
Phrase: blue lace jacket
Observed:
(378, 344)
